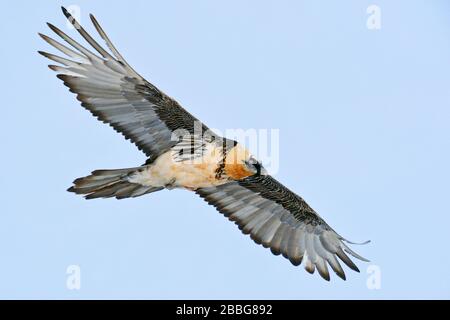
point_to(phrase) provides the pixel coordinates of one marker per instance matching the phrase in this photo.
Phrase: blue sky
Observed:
(364, 138)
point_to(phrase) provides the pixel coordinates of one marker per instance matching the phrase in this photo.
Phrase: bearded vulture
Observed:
(183, 153)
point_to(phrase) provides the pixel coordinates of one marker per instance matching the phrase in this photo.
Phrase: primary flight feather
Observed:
(183, 153)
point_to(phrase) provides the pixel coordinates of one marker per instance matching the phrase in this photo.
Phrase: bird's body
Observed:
(212, 168)
(183, 153)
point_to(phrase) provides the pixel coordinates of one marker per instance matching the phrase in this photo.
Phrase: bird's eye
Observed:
(252, 161)
(258, 167)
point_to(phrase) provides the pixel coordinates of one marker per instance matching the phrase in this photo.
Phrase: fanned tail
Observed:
(111, 183)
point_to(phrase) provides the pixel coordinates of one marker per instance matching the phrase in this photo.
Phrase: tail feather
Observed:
(111, 183)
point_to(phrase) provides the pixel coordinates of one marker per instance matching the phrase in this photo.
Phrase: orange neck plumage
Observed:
(234, 163)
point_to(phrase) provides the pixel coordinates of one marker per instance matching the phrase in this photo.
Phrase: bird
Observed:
(183, 153)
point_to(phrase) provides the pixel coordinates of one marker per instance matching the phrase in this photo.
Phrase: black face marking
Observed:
(254, 164)
(258, 168)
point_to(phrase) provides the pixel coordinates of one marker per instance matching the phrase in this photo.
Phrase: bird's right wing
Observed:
(112, 91)
(280, 220)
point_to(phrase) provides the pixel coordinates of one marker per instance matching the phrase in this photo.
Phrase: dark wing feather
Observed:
(112, 91)
(280, 220)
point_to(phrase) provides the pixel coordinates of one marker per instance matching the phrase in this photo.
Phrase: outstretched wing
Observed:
(112, 91)
(282, 221)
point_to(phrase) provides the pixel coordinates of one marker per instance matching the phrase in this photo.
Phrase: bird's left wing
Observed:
(116, 94)
(282, 221)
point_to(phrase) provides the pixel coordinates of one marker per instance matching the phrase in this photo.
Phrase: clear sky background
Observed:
(364, 128)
